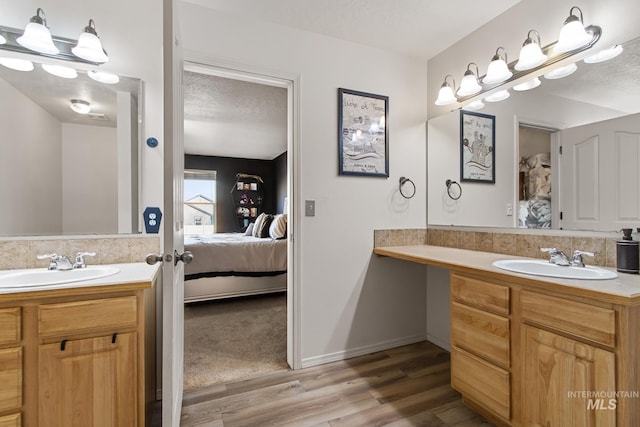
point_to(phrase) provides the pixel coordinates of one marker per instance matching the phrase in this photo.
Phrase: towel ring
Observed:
(453, 189)
(403, 181)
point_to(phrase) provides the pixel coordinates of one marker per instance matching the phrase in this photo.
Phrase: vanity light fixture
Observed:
(572, 35)
(80, 106)
(469, 84)
(60, 71)
(498, 96)
(37, 36)
(531, 60)
(17, 64)
(103, 77)
(445, 95)
(498, 70)
(561, 72)
(604, 55)
(531, 84)
(89, 46)
(531, 54)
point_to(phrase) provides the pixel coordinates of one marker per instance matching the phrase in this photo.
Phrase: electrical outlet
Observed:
(509, 209)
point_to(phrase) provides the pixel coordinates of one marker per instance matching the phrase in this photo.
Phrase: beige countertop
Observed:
(625, 289)
(130, 276)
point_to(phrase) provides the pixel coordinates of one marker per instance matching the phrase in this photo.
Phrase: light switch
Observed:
(309, 208)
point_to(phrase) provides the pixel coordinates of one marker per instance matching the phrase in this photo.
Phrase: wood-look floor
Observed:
(405, 386)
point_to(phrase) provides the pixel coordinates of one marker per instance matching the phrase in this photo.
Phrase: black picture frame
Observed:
(477, 147)
(363, 134)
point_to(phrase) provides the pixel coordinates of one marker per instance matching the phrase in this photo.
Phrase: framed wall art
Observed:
(363, 136)
(477, 147)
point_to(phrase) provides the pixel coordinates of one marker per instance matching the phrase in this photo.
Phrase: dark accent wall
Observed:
(281, 180)
(226, 169)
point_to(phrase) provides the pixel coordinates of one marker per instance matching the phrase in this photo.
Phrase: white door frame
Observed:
(197, 62)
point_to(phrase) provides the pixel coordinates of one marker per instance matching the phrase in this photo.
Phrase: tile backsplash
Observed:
(17, 254)
(504, 242)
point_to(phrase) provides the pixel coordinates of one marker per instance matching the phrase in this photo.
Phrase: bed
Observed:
(233, 264)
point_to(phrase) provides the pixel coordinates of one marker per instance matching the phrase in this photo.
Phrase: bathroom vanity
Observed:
(81, 353)
(531, 350)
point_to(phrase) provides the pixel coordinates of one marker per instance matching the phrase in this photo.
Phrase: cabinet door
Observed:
(91, 382)
(565, 380)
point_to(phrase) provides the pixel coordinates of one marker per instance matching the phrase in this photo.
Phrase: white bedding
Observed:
(234, 254)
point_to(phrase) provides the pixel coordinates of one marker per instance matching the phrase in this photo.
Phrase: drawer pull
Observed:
(63, 344)
(113, 338)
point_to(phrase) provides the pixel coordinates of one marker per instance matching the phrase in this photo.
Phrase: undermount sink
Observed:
(545, 268)
(43, 277)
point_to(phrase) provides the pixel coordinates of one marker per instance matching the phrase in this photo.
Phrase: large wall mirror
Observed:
(594, 114)
(63, 172)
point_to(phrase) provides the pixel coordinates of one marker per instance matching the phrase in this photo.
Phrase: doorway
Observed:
(537, 172)
(282, 198)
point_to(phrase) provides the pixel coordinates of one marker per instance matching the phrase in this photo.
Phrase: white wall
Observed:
(131, 33)
(89, 185)
(30, 165)
(351, 300)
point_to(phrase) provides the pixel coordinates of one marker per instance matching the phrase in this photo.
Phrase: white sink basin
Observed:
(42, 277)
(545, 268)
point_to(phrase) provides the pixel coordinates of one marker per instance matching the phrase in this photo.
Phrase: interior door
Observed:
(173, 246)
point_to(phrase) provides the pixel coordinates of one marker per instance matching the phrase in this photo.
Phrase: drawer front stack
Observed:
(480, 338)
(10, 367)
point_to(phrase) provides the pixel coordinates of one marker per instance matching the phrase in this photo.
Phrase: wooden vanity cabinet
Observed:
(568, 349)
(10, 367)
(480, 345)
(88, 356)
(523, 357)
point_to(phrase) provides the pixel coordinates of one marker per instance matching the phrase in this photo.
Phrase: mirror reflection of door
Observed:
(534, 177)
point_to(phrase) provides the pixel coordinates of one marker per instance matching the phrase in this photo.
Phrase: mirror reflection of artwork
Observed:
(477, 147)
(535, 191)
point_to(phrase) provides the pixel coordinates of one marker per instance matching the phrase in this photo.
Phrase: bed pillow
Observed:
(278, 227)
(257, 225)
(263, 230)
(249, 231)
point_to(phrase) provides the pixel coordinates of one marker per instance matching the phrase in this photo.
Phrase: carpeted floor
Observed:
(234, 339)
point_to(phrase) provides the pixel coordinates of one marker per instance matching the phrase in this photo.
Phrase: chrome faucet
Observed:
(557, 257)
(577, 258)
(63, 262)
(58, 262)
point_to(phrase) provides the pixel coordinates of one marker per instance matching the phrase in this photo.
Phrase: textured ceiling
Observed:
(420, 28)
(233, 118)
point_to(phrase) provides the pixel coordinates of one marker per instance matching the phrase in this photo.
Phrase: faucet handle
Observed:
(577, 260)
(53, 257)
(80, 263)
(550, 250)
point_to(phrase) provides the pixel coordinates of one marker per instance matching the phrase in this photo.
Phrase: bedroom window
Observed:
(199, 202)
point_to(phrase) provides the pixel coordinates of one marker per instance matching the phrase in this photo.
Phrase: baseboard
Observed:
(439, 342)
(361, 351)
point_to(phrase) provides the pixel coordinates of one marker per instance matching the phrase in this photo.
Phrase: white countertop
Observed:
(138, 272)
(625, 289)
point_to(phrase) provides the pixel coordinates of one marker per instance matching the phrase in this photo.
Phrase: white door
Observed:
(600, 177)
(173, 247)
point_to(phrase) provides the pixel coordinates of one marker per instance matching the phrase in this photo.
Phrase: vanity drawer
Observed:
(481, 333)
(13, 420)
(10, 378)
(10, 326)
(575, 318)
(109, 314)
(480, 294)
(483, 383)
